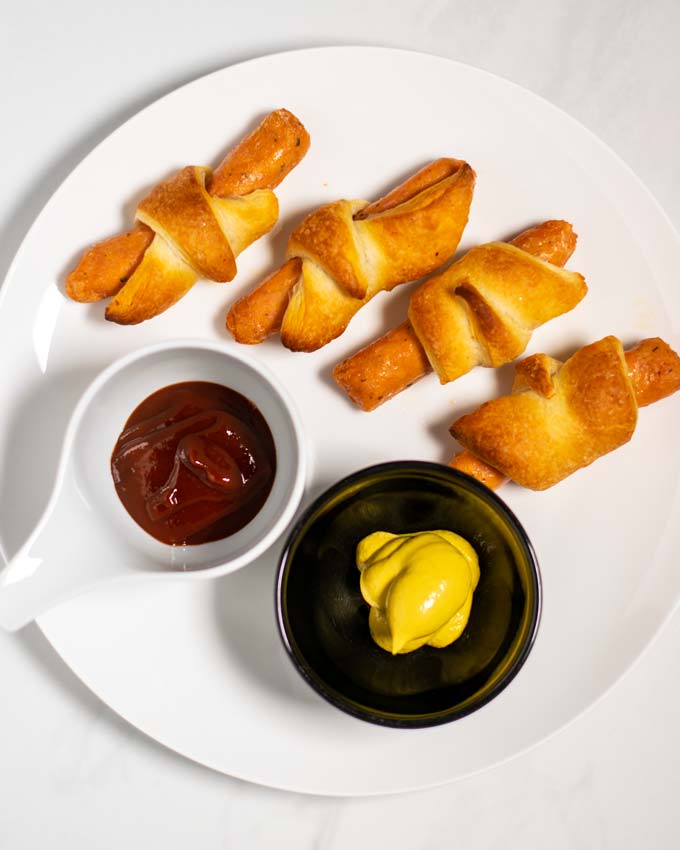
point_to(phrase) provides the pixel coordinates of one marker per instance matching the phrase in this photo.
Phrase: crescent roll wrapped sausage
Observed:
(480, 312)
(192, 225)
(561, 417)
(344, 253)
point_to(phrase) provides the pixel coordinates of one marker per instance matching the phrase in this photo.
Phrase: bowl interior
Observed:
(104, 417)
(324, 619)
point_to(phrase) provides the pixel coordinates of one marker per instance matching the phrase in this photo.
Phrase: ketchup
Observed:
(195, 462)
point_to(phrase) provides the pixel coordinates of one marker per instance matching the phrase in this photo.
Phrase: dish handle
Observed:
(51, 567)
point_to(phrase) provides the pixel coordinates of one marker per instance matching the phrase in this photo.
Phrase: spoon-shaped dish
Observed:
(86, 536)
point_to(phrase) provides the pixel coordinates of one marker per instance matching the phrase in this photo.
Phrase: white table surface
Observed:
(74, 775)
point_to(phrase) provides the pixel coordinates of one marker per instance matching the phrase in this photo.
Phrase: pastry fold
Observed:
(561, 417)
(480, 312)
(346, 252)
(192, 225)
(483, 309)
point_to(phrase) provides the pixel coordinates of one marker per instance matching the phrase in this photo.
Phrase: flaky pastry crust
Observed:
(349, 251)
(559, 417)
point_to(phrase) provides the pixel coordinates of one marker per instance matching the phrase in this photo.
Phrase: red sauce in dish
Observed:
(195, 462)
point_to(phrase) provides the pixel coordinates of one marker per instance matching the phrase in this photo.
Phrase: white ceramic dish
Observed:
(199, 666)
(85, 515)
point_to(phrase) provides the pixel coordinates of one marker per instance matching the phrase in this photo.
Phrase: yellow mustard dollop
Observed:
(419, 587)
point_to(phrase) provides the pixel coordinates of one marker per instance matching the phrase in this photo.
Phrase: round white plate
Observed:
(199, 666)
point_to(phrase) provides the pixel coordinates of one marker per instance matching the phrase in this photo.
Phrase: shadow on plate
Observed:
(246, 619)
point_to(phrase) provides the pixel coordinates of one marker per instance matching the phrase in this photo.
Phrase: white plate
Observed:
(199, 666)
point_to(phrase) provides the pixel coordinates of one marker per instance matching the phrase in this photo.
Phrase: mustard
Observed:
(419, 587)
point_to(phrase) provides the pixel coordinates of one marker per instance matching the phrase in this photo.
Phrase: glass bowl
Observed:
(323, 619)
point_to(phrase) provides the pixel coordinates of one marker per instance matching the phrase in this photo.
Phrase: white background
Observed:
(74, 775)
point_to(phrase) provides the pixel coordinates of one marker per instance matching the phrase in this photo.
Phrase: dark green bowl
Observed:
(323, 618)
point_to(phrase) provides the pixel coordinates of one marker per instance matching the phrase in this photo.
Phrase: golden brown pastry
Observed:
(192, 225)
(344, 253)
(480, 311)
(563, 416)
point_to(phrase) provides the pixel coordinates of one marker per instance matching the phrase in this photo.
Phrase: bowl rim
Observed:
(385, 718)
